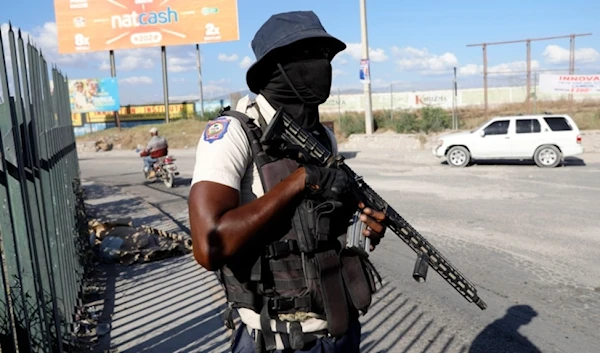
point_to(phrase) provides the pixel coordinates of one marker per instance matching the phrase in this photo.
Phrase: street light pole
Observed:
(365, 56)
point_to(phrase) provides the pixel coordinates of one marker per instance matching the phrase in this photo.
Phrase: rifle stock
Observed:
(285, 134)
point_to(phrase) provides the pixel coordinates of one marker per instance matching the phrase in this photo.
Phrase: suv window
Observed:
(558, 123)
(526, 126)
(499, 127)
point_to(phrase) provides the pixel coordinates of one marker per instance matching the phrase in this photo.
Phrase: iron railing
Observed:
(41, 208)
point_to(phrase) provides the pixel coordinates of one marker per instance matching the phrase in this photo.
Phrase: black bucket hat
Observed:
(283, 29)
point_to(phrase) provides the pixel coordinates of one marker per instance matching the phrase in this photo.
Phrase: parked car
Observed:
(547, 139)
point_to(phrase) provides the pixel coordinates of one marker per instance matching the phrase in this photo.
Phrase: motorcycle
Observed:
(165, 170)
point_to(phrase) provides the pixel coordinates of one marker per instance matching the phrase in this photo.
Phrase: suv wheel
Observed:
(547, 156)
(458, 156)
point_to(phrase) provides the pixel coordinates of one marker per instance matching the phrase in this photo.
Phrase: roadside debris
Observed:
(119, 241)
(103, 145)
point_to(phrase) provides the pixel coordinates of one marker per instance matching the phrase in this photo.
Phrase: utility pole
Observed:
(528, 48)
(528, 45)
(365, 56)
(391, 101)
(113, 73)
(165, 82)
(199, 63)
(454, 102)
(535, 80)
(571, 69)
(485, 81)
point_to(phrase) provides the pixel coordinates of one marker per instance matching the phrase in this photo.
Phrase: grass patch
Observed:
(179, 133)
(430, 120)
(585, 113)
(185, 133)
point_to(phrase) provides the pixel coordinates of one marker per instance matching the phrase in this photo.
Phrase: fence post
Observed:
(41, 242)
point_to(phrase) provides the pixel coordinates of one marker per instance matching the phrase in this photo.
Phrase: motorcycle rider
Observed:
(157, 147)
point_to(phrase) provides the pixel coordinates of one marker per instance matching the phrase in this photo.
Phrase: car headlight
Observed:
(440, 143)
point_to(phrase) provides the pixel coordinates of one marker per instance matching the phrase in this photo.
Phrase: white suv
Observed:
(547, 139)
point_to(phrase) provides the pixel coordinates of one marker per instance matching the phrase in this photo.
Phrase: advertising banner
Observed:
(157, 109)
(76, 119)
(94, 95)
(103, 25)
(364, 73)
(439, 99)
(584, 84)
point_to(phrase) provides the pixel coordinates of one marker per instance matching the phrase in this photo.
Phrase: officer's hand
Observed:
(328, 183)
(375, 229)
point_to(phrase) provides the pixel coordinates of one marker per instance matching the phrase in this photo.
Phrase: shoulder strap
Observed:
(254, 134)
(260, 158)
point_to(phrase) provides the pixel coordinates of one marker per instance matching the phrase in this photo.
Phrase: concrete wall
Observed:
(440, 98)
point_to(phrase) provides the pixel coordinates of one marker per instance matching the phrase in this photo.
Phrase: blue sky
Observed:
(414, 45)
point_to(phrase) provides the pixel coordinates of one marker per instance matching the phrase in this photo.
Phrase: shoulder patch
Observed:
(216, 129)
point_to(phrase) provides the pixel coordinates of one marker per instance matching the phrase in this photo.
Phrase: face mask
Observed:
(311, 79)
(299, 87)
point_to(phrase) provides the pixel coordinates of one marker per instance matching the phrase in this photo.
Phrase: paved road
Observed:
(526, 237)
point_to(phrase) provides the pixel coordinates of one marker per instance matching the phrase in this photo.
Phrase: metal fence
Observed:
(42, 214)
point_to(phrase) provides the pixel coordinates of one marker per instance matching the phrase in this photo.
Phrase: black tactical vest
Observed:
(305, 266)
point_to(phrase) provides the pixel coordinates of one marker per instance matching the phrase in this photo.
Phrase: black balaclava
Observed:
(300, 87)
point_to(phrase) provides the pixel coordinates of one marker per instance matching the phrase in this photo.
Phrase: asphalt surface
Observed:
(526, 237)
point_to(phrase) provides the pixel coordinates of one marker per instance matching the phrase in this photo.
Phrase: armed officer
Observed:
(273, 227)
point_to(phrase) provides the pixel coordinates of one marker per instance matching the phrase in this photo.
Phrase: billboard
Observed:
(94, 95)
(585, 84)
(103, 25)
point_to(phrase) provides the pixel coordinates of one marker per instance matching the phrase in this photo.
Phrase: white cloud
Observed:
(246, 62)
(211, 89)
(216, 88)
(510, 68)
(183, 63)
(228, 58)
(422, 61)
(337, 73)
(136, 80)
(131, 59)
(556, 54)
(45, 39)
(339, 60)
(354, 50)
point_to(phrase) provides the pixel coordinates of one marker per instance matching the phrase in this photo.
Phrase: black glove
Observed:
(330, 184)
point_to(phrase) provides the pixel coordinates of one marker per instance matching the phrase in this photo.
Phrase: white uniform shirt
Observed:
(224, 156)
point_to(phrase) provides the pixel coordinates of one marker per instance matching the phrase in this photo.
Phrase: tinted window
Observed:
(558, 124)
(499, 127)
(525, 126)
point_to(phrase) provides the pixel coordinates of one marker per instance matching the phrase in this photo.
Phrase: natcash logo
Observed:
(152, 18)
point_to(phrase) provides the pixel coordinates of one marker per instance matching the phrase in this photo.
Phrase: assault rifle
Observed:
(287, 136)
